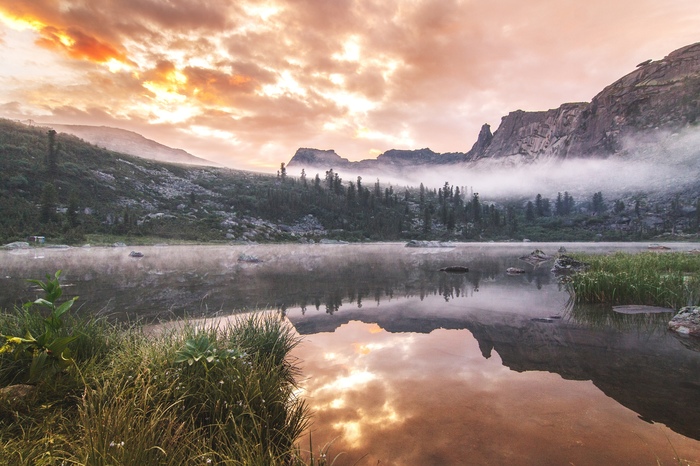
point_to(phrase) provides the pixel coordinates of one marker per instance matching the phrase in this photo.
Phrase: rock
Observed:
(427, 244)
(455, 269)
(332, 241)
(562, 250)
(135, 254)
(567, 264)
(536, 257)
(16, 398)
(119, 244)
(514, 271)
(658, 247)
(248, 258)
(686, 322)
(545, 320)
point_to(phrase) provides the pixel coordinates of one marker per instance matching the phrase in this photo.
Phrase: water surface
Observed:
(404, 364)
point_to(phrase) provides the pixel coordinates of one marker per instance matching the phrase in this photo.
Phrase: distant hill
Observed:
(129, 142)
(659, 98)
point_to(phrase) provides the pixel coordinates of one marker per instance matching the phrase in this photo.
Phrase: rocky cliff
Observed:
(658, 95)
(663, 94)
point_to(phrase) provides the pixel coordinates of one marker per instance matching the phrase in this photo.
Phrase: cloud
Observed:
(358, 76)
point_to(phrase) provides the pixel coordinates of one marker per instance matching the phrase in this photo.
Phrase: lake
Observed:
(403, 364)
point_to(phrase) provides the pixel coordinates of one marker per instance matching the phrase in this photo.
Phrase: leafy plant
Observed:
(202, 349)
(48, 352)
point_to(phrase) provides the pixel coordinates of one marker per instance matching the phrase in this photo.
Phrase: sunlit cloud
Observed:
(360, 77)
(21, 24)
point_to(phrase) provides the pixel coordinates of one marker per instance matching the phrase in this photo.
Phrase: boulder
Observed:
(248, 258)
(16, 398)
(686, 322)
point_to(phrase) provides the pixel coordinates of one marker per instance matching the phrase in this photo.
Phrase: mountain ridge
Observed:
(130, 142)
(658, 95)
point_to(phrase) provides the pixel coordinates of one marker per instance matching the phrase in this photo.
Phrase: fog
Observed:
(662, 162)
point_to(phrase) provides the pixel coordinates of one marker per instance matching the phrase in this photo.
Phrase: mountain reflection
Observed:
(394, 349)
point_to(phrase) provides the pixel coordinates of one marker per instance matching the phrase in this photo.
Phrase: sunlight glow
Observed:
(264, 12)
(286, 84)
(115, 66)
(353, 102)
(403, 138)
(351, 51)
(168, 90)
(65, 39)
(21, 24)
(356, 378)
(337, 79)
(213, 133)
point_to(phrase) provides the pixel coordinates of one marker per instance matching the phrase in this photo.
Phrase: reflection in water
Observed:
(201, 280)
(413, 366)
(412, 398)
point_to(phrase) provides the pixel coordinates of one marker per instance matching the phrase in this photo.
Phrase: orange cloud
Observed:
(79, 45)
(71, 41)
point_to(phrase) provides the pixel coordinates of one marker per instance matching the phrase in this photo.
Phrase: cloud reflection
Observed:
(433, 399)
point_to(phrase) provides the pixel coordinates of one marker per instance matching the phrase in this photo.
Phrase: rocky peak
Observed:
(482, 142)
(307, 157)
(661, 94)
(657, 94)
(415, 157)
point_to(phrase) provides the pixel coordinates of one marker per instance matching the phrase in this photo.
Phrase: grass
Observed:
(656, 279)
(133, 397)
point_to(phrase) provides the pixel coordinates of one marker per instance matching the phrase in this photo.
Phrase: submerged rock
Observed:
(686, 322)
(135, 254)
(639, 309)
(427, 244)
(455, 269)
(515, 271)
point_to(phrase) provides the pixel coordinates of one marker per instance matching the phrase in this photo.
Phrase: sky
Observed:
(246, 83)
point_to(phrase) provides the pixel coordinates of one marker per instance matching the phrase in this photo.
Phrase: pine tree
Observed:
(530, 212)
(52, 155)
(49, 199)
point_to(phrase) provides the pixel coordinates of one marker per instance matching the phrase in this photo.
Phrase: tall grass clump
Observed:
(656, 279)
(194, 393)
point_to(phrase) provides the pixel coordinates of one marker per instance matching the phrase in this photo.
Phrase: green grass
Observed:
(127, 400)
(655, 279)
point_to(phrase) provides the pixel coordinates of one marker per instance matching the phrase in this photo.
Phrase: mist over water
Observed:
(660, 162)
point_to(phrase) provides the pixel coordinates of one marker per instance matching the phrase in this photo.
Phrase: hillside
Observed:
(58, 186)
(90, 190)
(128, 142)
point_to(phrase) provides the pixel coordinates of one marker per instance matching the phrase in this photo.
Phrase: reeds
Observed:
(126, 400)
(656, 279)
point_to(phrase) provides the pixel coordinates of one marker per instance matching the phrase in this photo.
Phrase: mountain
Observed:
(629, 114)
(128, 142)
